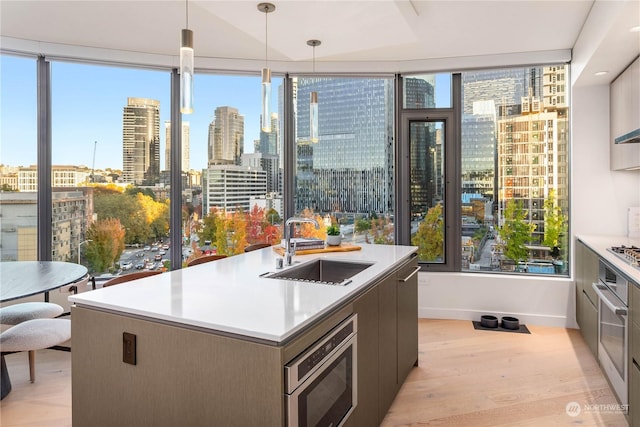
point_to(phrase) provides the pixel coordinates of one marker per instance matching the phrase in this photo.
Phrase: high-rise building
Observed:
(533, 152)
(141, 141)
(228, 188)
(226, 137)
(267, 163)
(269, 140)
(185, 146)
(350, 169)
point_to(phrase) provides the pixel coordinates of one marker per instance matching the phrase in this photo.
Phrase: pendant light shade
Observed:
(265, 124)
(313, 104)
(186, 72)
(313, 117)
(186, 66)
(266, 100)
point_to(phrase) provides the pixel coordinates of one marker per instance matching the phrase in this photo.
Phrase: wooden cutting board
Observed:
(343, 247)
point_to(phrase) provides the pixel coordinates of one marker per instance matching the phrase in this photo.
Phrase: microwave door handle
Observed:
(619, 310)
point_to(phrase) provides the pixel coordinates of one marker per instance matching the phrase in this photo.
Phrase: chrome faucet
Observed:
(288, 251)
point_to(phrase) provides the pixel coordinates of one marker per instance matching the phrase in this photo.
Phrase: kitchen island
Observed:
(206, 345)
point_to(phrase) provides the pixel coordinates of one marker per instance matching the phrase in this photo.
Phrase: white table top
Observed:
(228, 295)
(599, 245)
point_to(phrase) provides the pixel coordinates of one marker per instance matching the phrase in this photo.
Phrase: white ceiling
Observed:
(357, 35)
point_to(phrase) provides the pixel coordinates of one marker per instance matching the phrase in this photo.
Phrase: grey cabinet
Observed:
(387, 342)
(388, 352)
(407, 300)
(634, 355)
(366, 413)
(586, 298)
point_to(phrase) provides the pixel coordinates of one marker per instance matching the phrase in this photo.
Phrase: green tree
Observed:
(273, 217)
(515, 231)
(222, 227)
(106, 245)
(362, 225)
(430, 235)
(555, 223)
(208, 230)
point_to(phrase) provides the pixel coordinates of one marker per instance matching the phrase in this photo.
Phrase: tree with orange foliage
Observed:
(106, 243)
(309, 230)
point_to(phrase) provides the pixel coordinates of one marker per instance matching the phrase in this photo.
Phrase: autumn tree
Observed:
(515, 232)
(238, 229)
(256, 223)
(309, 230)
(106, 243)
(381, 231)
(430, 235)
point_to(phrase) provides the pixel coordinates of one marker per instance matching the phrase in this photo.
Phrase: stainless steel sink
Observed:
(325, 271)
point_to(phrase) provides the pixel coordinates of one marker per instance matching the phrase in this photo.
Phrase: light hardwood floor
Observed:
(465, 378)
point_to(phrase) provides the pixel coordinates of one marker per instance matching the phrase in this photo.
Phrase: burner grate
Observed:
(631, 254)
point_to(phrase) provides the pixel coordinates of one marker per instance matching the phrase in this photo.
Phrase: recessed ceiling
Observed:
(357, 35)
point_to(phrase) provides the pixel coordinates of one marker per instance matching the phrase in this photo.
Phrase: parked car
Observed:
(147, 248)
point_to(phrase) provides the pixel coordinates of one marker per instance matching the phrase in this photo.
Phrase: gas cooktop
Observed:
(630, 254)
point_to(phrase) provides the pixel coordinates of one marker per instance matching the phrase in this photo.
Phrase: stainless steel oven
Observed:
(321, 383)
(613, 334)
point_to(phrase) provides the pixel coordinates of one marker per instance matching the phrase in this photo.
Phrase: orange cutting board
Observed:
(343, 247)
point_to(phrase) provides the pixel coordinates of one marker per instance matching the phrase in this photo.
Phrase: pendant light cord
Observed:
(266, 37)
(187, 12)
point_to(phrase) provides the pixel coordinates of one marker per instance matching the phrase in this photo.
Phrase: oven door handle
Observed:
(617, 309)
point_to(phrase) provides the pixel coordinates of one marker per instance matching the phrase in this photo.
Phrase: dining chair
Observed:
(203, 259)
(21, 312)
(256, 246)
(129, 277)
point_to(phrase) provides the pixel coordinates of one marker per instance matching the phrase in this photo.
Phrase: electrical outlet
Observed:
(129, 348)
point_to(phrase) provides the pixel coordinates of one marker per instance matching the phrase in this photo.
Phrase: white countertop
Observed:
(599, 245)
(228, 295)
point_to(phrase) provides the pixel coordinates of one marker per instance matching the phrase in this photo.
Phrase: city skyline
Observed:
(88, 101)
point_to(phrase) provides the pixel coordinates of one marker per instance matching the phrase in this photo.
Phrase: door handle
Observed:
(406, 279)
(620, 310)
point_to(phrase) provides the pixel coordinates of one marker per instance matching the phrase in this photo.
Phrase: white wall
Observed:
(599, 202)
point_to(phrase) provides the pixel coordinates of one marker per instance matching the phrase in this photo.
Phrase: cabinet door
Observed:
(634, 394)
(388, 327)
(580, 248)
(589, 325)
(407, 288)
(366, 413)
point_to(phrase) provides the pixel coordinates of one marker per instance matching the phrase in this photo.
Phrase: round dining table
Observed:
(20, 279)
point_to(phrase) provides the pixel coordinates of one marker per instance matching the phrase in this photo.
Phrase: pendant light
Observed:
(266, 8)
(313, 104)
(186, 67)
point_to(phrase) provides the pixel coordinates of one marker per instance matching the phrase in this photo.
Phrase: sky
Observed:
(88, 101)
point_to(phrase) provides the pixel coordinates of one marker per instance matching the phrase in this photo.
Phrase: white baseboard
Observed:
(524, 318)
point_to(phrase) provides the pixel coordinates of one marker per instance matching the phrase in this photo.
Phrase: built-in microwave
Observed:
(321, 383)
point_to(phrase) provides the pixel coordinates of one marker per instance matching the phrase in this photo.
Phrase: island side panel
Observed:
(181, 376)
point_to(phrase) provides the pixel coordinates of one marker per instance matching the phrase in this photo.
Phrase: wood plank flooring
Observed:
(465, 378)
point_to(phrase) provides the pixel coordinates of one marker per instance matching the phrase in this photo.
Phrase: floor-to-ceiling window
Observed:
(504, 133)
(18, 159)
(511, 200)
(346, 176)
